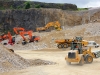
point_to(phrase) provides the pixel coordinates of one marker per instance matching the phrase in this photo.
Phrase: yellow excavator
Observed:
(49, 26)
(80, 54)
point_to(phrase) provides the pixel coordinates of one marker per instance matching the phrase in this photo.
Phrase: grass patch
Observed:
(79, 9)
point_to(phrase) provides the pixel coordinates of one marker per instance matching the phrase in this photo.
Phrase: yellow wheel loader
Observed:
(80, 54)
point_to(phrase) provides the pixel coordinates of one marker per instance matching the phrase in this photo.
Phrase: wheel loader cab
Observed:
(77, 46)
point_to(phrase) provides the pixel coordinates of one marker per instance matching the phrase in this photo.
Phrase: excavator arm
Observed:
(31, 38)
(49, 25)
(11, 39)
(3, 37)
(57, 25)
(17, 29)
(54, 24)
(22, 33)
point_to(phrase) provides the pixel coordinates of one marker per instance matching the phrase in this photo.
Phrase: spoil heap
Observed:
(11, 61)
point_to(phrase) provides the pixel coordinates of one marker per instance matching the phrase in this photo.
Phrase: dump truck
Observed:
(65, 43)
(49, 26)
(80, 54)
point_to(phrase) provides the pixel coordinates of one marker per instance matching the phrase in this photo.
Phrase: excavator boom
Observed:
(31, 38)
(17, 29)
(22, 33)
(54, 24)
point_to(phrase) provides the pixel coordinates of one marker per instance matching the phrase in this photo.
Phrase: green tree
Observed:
(37, 6)
(27, 5)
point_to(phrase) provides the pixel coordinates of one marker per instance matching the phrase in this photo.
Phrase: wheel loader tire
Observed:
(88, 59)
(65, 45)
(69, 63)
(81, 61)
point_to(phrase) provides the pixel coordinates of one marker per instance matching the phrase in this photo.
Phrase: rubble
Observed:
(11, 61)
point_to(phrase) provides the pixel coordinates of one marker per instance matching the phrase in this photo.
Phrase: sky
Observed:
(79, 3)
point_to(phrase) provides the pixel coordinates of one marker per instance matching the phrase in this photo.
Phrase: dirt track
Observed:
(61, 68)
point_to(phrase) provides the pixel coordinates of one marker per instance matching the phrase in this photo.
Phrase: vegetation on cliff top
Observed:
(31, 4)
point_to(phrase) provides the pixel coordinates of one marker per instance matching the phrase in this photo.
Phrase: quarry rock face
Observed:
(32, 18)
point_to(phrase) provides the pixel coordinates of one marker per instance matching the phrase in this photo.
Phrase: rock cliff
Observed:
(32, 18)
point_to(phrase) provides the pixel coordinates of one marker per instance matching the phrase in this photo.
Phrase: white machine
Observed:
(93, 44)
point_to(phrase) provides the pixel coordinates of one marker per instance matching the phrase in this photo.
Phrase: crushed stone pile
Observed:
(11, 61)
(93, 29)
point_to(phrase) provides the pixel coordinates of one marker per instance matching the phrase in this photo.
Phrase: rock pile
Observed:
(12, 61)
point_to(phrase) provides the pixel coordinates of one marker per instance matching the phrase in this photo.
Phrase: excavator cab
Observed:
(11, 40)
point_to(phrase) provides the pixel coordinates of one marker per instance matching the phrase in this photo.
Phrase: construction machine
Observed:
(31, 38)
(49, 26)
(11, 40)
(80, 54)
(18, 29)
(65, 43)
(3, 37)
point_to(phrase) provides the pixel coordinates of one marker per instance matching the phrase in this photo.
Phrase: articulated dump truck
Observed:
(65, 43)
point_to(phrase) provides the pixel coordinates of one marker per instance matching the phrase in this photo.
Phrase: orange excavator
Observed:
(18, 29)
(31, 38)
(11, 40)
(3, 37)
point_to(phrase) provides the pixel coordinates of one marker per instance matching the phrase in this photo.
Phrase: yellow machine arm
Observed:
(54, 24)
